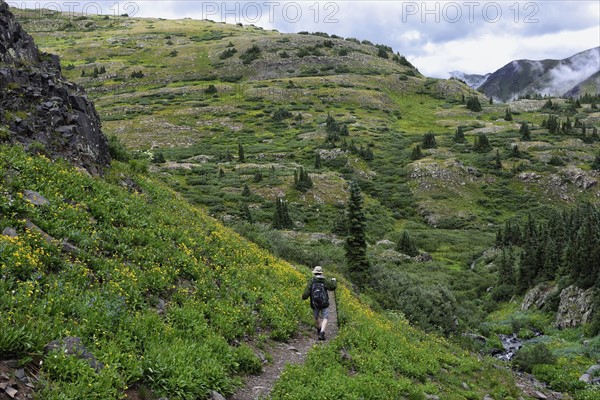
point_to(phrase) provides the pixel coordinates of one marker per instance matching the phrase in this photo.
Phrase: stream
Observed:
(511, 343)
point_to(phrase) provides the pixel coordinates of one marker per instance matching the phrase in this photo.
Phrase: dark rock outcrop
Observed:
(39, 108)
(576, 307)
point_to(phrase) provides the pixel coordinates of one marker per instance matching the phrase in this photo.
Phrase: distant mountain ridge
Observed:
(571, 76)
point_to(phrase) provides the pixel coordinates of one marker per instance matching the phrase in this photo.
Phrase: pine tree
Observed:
(524, 131)
(246, 191)
(281, 216)
(241, 156)
(508, 115)
(317, 160)
(416, 153)
(228, 156)
(497, 161)
(245, 212)
(473, 104)
(459, 135)
(302, 181)
(429, 141)
(356, 242)
(506, 272)
(406, 245)
(514, 151)
(596, 162)
(481, 143)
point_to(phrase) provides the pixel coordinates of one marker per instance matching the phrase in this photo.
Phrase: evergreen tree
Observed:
(406, 245)
(473, 104)
(459, 135)
(258, 176)
(356, 242)
(246, 191)
(514, 151)
(331, 127)
(245, 212)
(553, 124)
(281, 216)
(302, 181)
(596, 162)
(416, 153)
(228, 156)
(508, 115)
(497, 161)
(506, 272)
(317, 160)
(344, 130)
(429, 141)
(524, 131)
(481, 143)
(241, 156)
(159, 158)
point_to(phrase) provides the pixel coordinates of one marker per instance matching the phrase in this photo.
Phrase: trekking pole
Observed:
(337, 310)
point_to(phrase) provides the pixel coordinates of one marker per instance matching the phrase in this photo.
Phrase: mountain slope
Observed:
(546, 77)
(163, 296)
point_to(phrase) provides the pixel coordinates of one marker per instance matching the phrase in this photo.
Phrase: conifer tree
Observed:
(406, 245)
(429, 141)
(302, 181)
(245, 211)
(281, 216)
(459, 135)
(481, 143)
(506, 273)
(508, 115)
(497, 161)
(596, 162)
(241, 156)
(524, 131)
(356, 242)
(317, 160)
(246, 191)
(473, 104)
(416, 153)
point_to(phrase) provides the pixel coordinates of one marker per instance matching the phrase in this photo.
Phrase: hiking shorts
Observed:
(322, 313)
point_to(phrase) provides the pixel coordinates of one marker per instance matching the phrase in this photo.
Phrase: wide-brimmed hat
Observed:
(318, 270)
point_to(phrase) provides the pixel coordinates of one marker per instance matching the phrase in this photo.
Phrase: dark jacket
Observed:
(329, 285)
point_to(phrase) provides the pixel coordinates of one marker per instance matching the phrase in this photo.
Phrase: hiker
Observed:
(316, 289)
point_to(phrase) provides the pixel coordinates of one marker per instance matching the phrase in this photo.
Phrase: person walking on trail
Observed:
(316, 290)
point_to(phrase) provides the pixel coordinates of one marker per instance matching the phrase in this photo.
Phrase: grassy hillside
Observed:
(236, 111)
(164, 296)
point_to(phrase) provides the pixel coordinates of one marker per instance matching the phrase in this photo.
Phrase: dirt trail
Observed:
(258, 387)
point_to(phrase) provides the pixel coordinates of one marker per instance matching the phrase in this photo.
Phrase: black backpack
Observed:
(318, 295)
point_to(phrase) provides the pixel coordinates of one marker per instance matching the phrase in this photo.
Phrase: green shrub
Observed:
(530, 356)
(117, 149)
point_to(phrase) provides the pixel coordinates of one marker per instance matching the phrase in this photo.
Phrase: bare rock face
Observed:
(41, 110)
(576, 307)
(538, 296)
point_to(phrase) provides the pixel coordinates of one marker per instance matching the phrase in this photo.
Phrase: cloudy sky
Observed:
(436, 36)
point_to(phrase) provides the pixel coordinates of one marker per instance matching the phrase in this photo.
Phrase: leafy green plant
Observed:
(530, 356)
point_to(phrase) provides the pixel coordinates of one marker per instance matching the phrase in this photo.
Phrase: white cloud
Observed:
(492, 51)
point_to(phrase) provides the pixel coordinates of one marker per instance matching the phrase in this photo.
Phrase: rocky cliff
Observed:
(39, 109)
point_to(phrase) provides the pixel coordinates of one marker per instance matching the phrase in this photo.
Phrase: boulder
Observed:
(74, 346)
(538, 296)
(576, 307)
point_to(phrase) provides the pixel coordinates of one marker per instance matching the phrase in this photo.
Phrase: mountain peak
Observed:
(546, 77)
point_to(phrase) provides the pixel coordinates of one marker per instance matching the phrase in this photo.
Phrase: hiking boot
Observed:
(322, 335)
